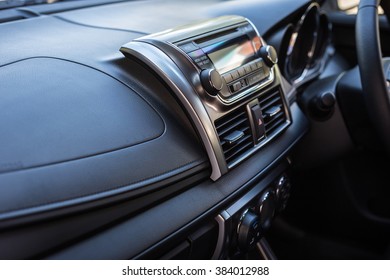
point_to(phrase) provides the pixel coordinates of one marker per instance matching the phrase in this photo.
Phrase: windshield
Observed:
(5, 4)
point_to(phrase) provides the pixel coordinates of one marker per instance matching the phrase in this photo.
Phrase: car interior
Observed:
(209, 129)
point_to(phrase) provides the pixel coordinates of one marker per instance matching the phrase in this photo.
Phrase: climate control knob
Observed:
(269, 55)
(249, 231)
(211, 81)
(266, 209)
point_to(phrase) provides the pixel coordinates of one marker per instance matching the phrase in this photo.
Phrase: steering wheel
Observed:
(371, 66)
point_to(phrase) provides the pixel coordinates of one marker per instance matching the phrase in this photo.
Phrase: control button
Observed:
(255, 78)
(235, 75)
(196, 54)
(188, 47)
(204, 63)
(211, 81)
(236, 86)
(253, 66)
(269, 55)
(201, 58)
(241, 71)
(322, 105)
(259, 63)
(249, 231)
(247, 69)
(228, 78)
(258, 123)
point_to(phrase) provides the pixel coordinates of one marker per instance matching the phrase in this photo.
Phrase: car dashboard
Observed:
(132, 131)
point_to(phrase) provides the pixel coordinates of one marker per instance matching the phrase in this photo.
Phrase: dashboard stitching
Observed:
(101, 195)
(99, 27)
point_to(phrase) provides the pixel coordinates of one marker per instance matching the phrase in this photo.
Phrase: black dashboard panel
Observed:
(139, 16)
(29, 184)
(113, 176)
(198, 203)
(69, 105)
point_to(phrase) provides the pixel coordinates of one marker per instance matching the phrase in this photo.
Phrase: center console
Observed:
(226, 79)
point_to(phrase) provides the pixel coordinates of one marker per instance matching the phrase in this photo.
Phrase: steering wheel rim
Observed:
(372, 76)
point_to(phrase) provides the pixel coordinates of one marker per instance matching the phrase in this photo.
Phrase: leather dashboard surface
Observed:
(76, 125)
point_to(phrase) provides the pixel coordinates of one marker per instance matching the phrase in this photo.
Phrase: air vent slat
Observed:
(231, 127)
(273, 119)
(231, 124)
(227, 149)
(222, 123)
(238, 152)
(273, 112)
(270, 103)
(235, 132)
(264, 98)
(274, 125)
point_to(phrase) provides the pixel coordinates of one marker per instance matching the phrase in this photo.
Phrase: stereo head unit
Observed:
(231, 59)
(219, 69)
(235, 56)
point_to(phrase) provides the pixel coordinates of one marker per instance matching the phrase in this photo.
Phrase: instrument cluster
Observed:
(307, 48)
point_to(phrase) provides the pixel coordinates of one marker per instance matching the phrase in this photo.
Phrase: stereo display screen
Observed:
(230, 54)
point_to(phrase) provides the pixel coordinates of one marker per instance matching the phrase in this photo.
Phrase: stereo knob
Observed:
(269, 55)
(249, 231)
(211, 81)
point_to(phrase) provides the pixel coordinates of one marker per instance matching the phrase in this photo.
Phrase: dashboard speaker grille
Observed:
(234, 134)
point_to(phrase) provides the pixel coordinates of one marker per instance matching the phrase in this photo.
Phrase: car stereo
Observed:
(227, 80)
(235, 57)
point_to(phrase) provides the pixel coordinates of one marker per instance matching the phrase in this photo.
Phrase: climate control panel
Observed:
(247, 221)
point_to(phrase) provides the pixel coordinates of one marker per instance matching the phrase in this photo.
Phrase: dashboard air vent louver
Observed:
(234, 134)
(274, 114)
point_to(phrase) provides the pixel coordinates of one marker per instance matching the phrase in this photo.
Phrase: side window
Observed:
(351, 6)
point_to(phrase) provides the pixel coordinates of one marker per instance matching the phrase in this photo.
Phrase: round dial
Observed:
(211, 81)
(249, 231)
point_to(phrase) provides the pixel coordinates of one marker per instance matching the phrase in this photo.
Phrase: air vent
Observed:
(274, 114)
(234, 134)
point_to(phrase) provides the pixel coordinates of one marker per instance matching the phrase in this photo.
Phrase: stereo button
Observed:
(241, 71)
(236, 86)
(255, 78)
(228, 78)
(248, 69)
(195, 55)
(235, 75)
(253, 66)
(259, 63)
(189, 47)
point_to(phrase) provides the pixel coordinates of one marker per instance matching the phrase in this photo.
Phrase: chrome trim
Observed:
(175, 79)
(249, 91)
(310, 72)
(222, 235)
